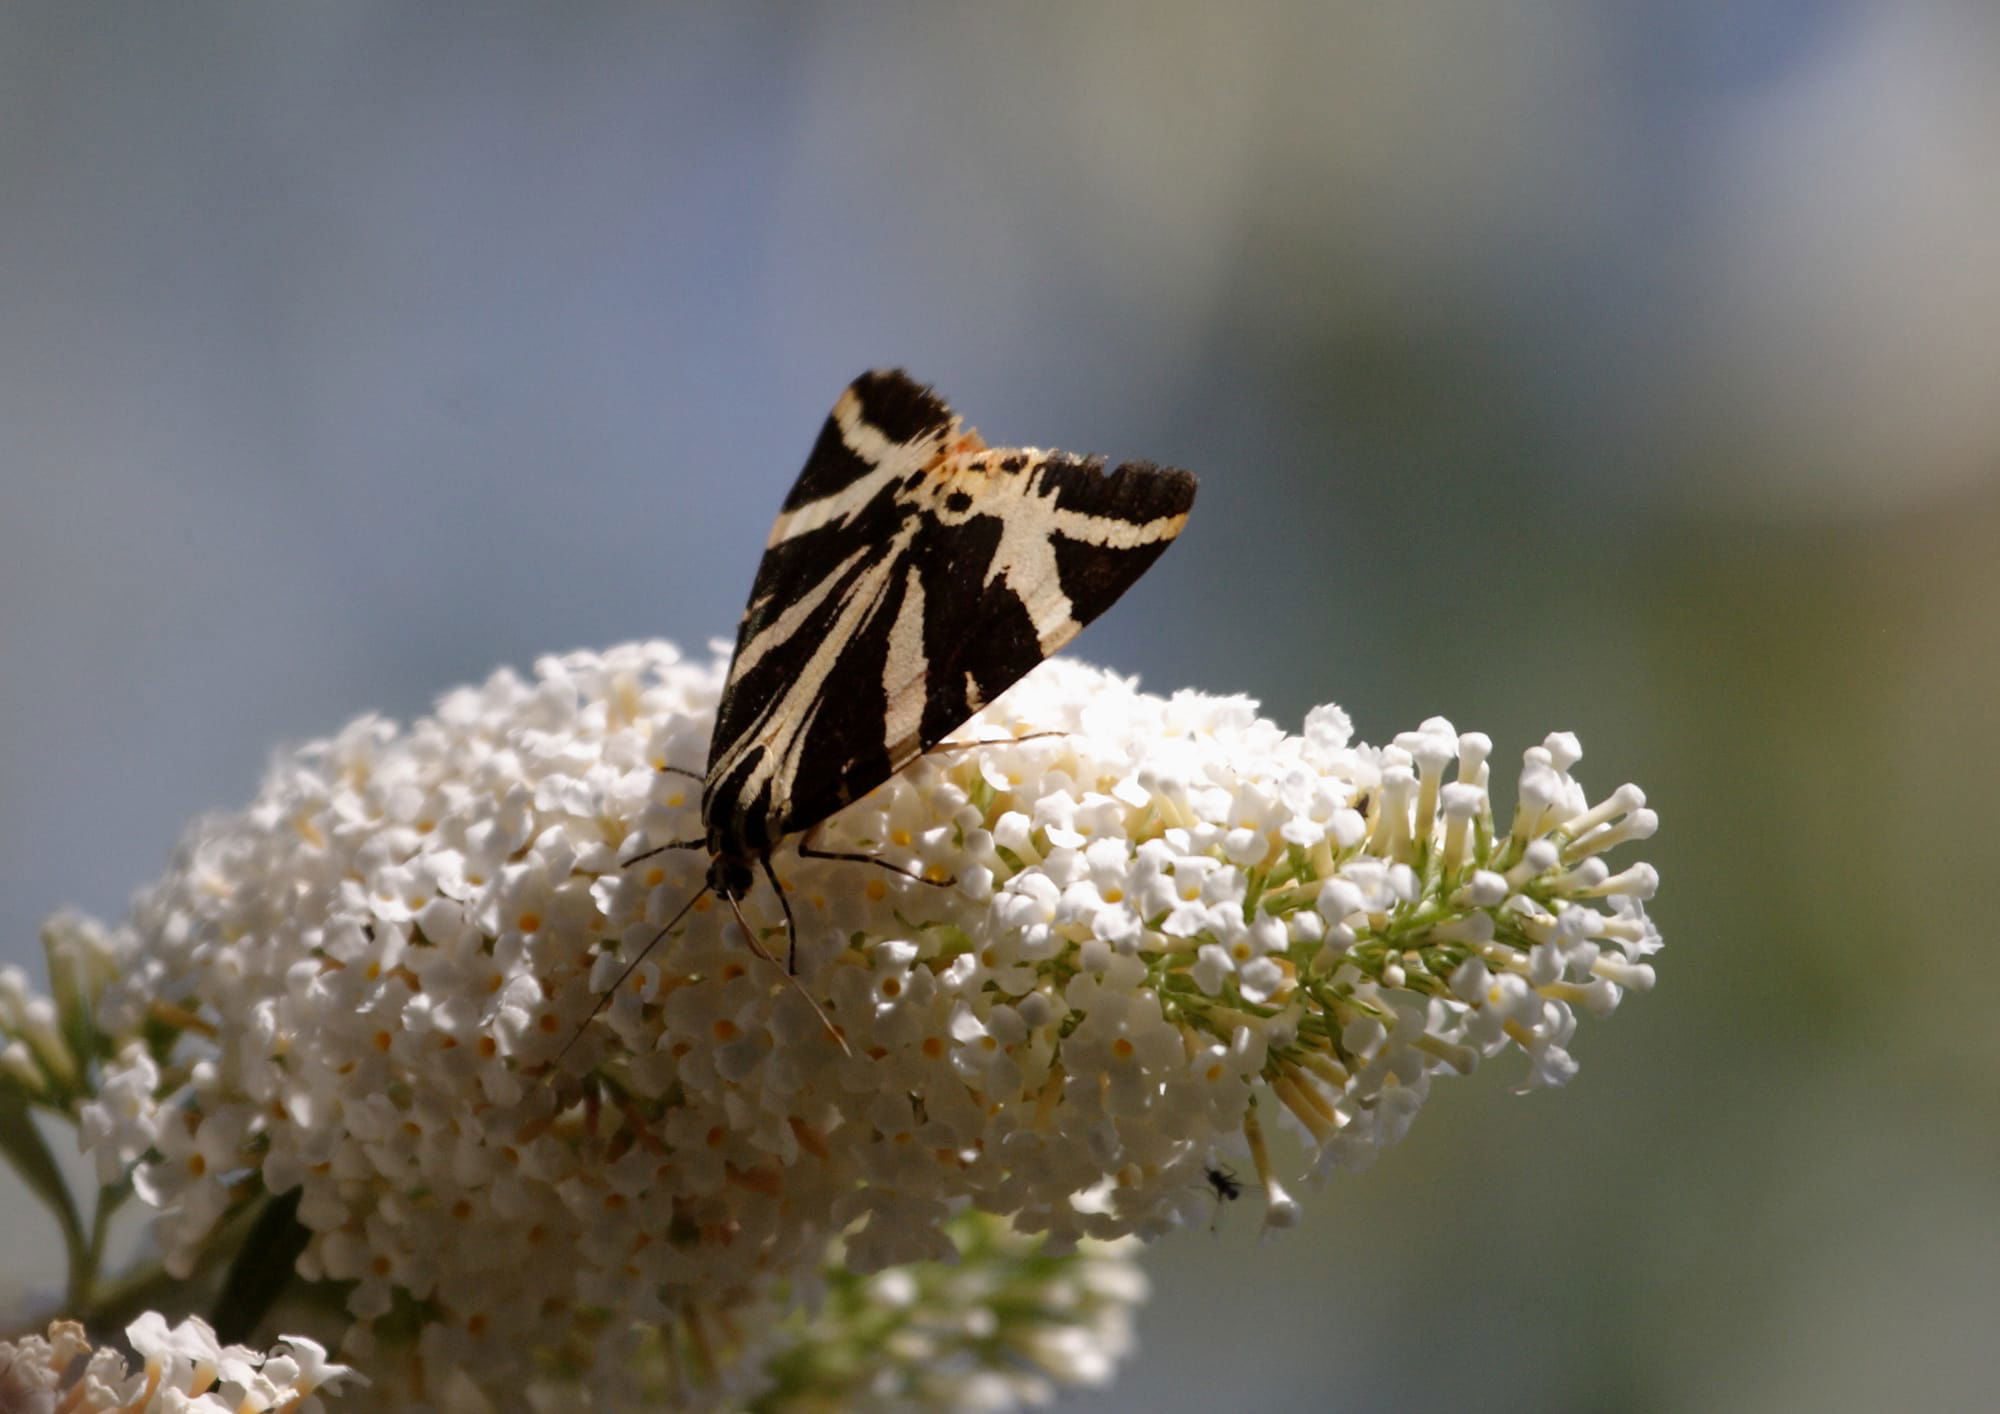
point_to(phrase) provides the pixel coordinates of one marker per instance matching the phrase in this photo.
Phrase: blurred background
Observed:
(1624, 368)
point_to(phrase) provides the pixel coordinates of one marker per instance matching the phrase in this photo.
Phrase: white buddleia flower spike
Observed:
(1166, 917)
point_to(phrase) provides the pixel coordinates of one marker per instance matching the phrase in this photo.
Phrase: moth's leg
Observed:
(791, 926)
(939, 748)
(807, 851)
(676, 844)
(663, 848)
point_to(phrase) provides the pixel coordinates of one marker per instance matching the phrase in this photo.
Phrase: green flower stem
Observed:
(28, 1152)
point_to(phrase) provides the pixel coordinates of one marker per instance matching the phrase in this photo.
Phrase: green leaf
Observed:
(263, 1268)
(28, 1152)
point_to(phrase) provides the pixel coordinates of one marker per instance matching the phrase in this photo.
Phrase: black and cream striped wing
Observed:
(913, 575)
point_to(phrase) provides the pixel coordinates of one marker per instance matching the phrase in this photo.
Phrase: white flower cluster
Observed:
(187, 1371)
(45, 1041)
(1145, 913)
(1005, 1327)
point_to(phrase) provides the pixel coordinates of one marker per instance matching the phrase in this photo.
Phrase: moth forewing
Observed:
(912, 576)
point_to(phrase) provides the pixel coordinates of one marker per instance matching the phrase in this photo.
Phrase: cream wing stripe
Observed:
(892, 461)
(780, 630)
(863, 438)
(836, 506)
(1112, 532)
(803, 699)
(784, 725)
(1024, 560)
(904, 673)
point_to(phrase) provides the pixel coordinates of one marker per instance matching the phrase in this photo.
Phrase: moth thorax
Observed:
(738, 818)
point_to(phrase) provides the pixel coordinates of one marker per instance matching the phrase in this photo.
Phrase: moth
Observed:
(913, 574)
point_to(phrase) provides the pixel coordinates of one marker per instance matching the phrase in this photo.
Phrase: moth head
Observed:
(729, 875)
